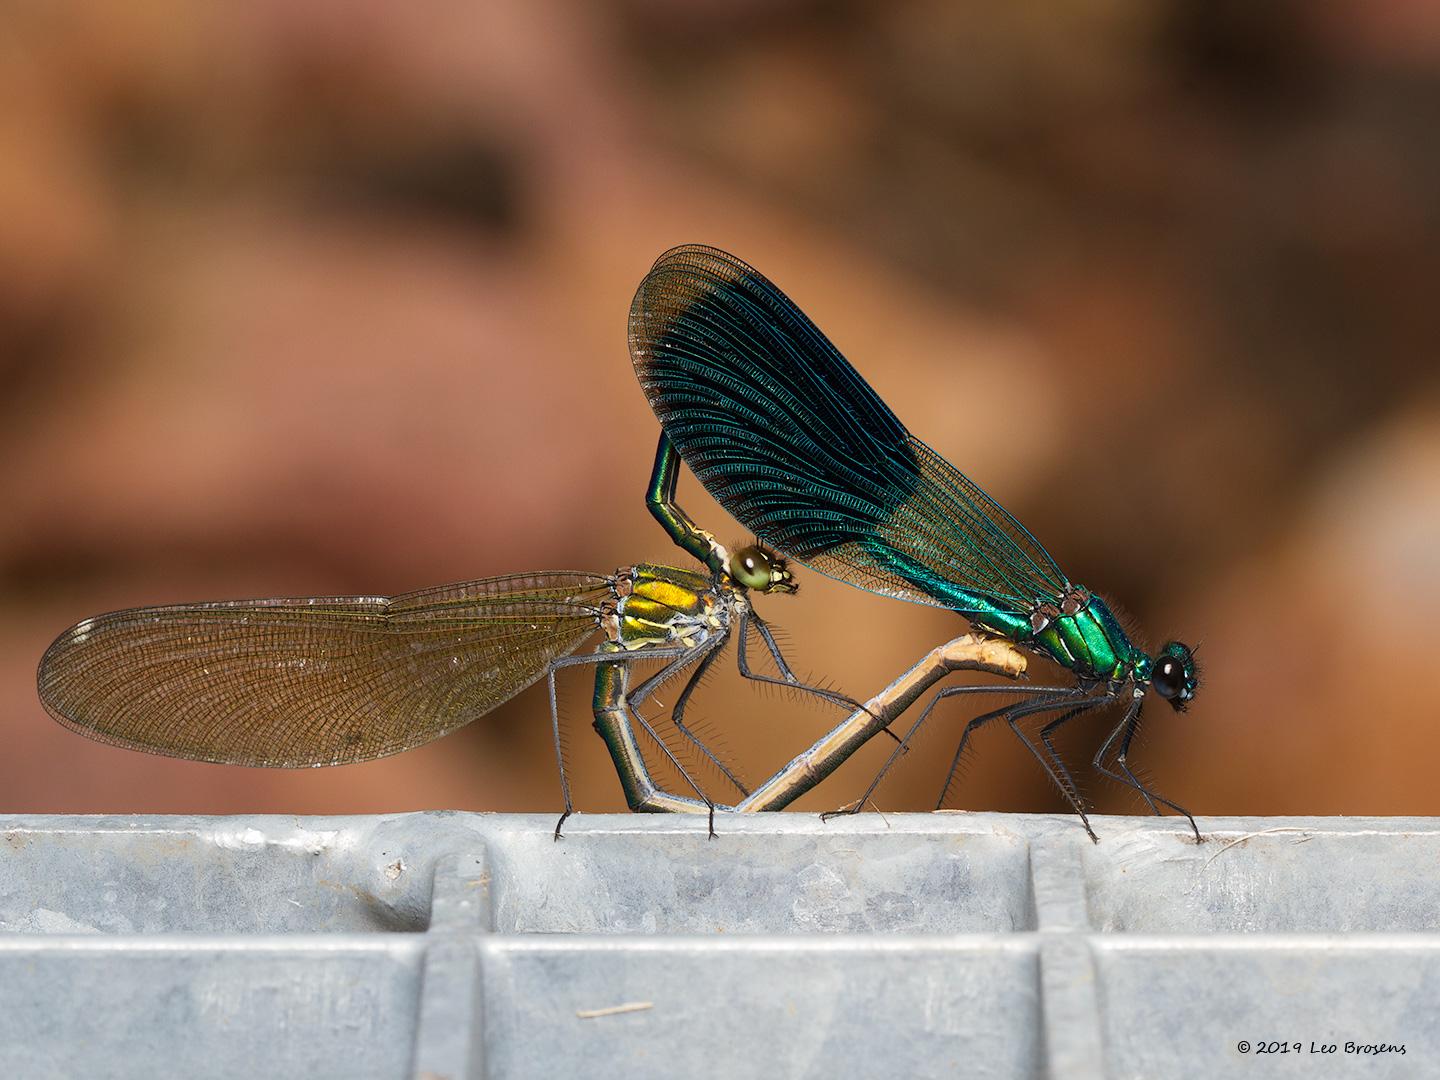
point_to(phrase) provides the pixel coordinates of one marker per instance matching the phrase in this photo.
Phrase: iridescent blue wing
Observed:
(796, 445)
(323, 681)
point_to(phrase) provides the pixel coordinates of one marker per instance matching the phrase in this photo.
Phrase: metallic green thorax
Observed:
(1090, 642)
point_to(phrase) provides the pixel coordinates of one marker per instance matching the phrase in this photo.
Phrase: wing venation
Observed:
(314, 681)
(789, 438)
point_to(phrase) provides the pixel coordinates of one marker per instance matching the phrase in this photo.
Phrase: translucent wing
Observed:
(796, 445)
(323, 681)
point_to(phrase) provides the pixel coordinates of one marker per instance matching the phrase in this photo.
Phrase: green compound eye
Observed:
(751, 568)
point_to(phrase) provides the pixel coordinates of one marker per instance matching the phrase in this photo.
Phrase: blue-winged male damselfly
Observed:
(789, 438)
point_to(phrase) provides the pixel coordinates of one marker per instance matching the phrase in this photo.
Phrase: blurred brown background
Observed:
(326, 297)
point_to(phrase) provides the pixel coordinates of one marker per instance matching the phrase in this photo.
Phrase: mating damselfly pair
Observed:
(795, 445)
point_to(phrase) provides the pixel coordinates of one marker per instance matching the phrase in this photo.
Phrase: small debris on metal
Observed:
(614, 1010)
(1263, 832)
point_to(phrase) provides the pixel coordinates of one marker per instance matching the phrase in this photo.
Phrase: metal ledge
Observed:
(473, 945)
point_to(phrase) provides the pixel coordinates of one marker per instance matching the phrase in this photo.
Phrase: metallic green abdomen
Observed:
(1090, 642)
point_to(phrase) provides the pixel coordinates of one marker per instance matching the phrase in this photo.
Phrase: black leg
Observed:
(677, 717)
(670, 756)
(1122, 759)
(788, 679)
(1045, 735)
(600, 658)
(1018, 714)
(773, 647)
(706, 653)
(949, 691)
(1126, 727)
(973, 726)
(1125, 732)
(979, 722)
(903, 748)
(679, 659)
(559, 751)
(748, 618)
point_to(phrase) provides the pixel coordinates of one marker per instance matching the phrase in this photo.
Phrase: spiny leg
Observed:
(1072, 793)
(677, 715)
(772, 646)
(679, 660)
(1129, 725)
(620, 730)
(1125, 730)
(1048, 731)
(684, 774)
(1130, 720)
(1122, 759)
(787, 679)
(559, 753)
(601, 658)
(706, 653)
(975, 724)
(1071, 796)
(904, 747)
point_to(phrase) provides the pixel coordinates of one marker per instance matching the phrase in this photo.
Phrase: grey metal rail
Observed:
(934, 945)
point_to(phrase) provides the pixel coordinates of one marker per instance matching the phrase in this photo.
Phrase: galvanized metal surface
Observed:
(472, 945)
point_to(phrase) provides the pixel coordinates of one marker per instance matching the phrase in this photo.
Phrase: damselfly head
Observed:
(756, 567)
(1174, 675)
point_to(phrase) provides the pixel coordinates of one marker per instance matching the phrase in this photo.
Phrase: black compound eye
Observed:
(1168, 677)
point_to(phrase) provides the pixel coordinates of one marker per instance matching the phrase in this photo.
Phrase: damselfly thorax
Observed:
(664, 605)
(1077, 630)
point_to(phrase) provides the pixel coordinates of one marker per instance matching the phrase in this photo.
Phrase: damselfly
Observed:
(792, 441)
(292, 683)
